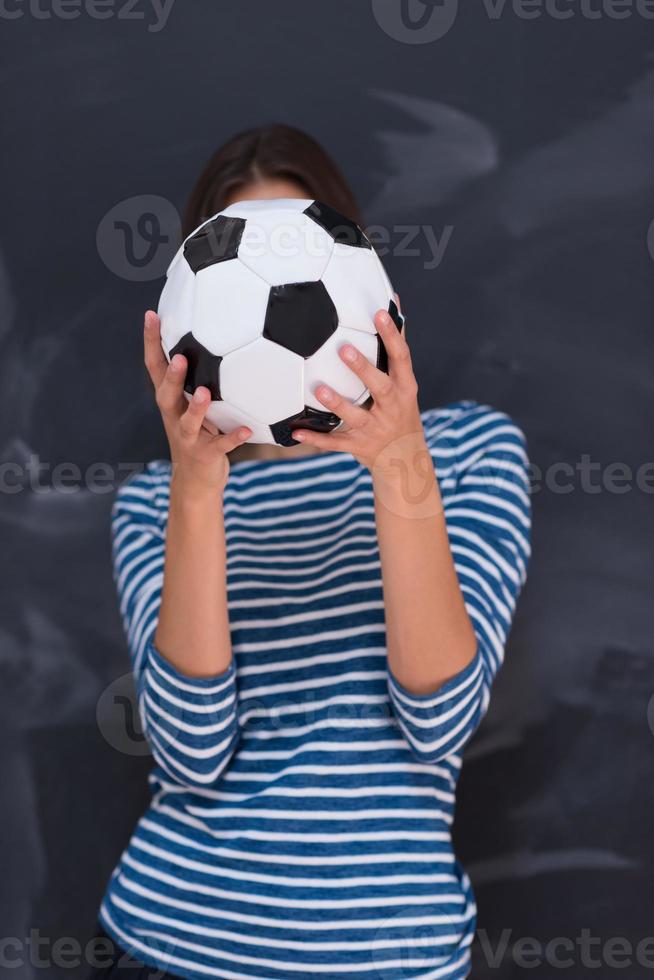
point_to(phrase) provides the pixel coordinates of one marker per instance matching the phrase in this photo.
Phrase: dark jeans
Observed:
(119, 965)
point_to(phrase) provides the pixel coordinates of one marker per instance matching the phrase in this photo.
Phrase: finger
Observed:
(353, 415)
(227, 441)
(329, 441)
(192, 419)
(399, 355)
(377, 382)
(169, 393)
(155, 359)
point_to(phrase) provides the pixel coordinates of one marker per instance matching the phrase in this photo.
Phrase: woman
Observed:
(314, 633)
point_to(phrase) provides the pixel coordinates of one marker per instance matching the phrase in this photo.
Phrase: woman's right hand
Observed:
(199, 459)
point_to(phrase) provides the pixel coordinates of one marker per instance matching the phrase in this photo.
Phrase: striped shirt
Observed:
(302, 801)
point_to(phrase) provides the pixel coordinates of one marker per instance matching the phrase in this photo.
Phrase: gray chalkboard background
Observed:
(524, 143)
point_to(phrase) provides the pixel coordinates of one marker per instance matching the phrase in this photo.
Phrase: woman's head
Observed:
(267, 162)
(274, 161)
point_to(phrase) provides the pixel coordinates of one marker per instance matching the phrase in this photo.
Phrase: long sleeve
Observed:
(482, 468)
(191, 723)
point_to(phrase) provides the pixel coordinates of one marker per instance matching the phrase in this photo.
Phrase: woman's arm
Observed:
(486, 525)
(429, 635)
(171, 580)
(193, 630)
(446, 622)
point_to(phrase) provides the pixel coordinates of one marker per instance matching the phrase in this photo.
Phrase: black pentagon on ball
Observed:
(395, 315)
(398, 320)
(308, 418)
(216, 241)
(300, 316)
(342, 230)
(203, 367)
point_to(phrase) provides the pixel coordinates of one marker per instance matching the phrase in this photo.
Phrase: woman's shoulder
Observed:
(480, 455)
(471, 426)
(145, 493)
(462, 432)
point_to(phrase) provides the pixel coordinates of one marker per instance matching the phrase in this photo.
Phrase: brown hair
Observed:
(274, 150)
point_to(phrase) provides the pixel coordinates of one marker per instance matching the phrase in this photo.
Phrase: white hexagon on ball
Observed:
(245, 381)
(326, 366)
(284, 246)
(176, 305)
(245, 209)
(354, 282)
(229, 306)
(226, 418)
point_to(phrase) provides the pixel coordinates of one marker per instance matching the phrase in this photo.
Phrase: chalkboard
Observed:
(507, 153)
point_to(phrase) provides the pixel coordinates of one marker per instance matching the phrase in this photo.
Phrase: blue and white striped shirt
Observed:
(300, 822)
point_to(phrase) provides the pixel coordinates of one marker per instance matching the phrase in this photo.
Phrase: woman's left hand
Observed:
(391, 428)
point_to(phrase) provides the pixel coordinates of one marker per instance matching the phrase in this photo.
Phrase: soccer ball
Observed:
(259, 299)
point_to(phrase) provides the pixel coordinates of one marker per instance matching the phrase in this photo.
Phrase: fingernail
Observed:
(325, 393)
(198, 395)
(297, 435)
(176, 362)
(385, 318)
(349, 353)
(243, 433)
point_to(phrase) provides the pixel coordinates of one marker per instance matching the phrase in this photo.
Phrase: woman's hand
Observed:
(199, 458)
(390, 432)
